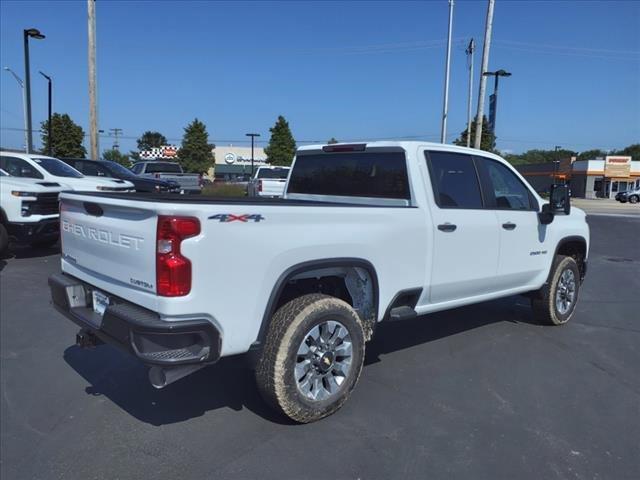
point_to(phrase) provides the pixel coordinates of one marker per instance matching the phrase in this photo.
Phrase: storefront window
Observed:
(597, 186)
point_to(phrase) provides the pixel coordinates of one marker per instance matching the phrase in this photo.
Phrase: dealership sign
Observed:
(617, 167)
(165, 151)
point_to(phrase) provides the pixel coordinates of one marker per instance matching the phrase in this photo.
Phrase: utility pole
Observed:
(93, 86)
(49, 103)
(483, 78)
(445, 106)
(116, 133)
(469, 51)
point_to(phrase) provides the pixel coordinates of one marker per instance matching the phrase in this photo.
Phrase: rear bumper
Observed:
(28, 232)
(139, 331)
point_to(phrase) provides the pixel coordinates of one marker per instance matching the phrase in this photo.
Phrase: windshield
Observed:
(118, 169)
(57, 167)
(273, 173)
(163, 167)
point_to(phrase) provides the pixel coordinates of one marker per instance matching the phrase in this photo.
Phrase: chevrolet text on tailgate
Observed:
(366, 233)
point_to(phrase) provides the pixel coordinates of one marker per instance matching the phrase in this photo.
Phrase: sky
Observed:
(349, 70)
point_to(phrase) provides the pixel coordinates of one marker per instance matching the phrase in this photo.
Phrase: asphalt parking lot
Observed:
(478, 392)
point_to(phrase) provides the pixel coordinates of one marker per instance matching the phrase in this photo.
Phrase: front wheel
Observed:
(556, 301)
(634, 199)
(312, 357)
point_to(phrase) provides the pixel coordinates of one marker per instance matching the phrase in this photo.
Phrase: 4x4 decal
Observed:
(230, 217)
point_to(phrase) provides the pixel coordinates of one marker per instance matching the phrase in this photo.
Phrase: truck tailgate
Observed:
(109, 240)
(189, 181)
(273, 187)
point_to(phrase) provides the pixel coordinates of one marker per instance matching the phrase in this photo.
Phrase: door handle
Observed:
(509, 226)
(447, 227)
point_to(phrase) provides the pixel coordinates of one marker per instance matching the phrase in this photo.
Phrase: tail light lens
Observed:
(173, 271)
(259, 185)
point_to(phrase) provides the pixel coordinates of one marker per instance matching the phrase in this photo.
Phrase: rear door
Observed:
(523, 244)
(465, 235)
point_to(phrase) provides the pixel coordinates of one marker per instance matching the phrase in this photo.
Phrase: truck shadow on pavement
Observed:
(230, 384)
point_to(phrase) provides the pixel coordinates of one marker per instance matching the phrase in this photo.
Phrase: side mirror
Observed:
(559, 199)
(546, 214)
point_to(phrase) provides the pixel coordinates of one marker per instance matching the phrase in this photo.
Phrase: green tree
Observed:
(66, 137)
(632, 150)
(282, 146)
(539, 156)
(591, 154)
(114, 155)
(332, 140)
(196, 153)
(487, 139)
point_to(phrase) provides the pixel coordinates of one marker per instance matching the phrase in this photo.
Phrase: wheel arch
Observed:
(573, 246)
(310, 266)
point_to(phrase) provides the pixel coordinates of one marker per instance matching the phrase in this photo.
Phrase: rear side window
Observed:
(454, 180)
(367, 174)
(137, 168)
(17, 167)
(280, 173)
(163, 167)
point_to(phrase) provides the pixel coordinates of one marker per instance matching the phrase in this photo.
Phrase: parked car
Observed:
(366, 233)
(109, 169)
(631, 196)
(28, 211)
(53, 170)
(268, 182)
(169, 171)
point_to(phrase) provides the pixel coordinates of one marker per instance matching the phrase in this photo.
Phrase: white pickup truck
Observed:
(366, 233)
(28, 211)
(170, 172)
(268, 182)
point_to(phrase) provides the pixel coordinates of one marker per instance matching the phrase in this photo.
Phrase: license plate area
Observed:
(100, 302)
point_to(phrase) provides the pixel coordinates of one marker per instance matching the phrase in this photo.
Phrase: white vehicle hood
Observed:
(91, 183)
(31, 184)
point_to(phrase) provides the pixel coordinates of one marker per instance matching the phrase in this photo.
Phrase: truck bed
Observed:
(216, 200)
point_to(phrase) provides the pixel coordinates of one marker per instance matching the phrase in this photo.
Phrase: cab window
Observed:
(17, 167)
(454, 180)
(508, 191)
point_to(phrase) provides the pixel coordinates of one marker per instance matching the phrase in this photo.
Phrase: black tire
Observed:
(634, 199)
(545, 304)
(4, 240)
(47, 243)
(292, 325)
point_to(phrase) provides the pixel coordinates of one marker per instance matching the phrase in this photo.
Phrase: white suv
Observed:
(51, 169)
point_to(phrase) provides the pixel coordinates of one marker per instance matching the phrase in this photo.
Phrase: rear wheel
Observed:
(312, 357)
(4, 240)
(555, 303)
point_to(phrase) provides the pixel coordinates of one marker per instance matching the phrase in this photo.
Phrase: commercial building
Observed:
(597, 178)
(234, 162)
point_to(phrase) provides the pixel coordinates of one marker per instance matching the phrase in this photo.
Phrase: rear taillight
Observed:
(157, 175)
(173, 271)
(259, 185)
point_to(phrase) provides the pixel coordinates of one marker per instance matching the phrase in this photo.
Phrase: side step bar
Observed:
(402, 313)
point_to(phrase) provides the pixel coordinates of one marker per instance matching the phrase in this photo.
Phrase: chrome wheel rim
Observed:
(565, 291)
(323, 360)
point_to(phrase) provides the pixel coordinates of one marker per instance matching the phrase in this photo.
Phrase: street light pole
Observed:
(445, 106)
(49, 91)
(252, 135)
(493, 100)
(470, 50)
(24, 105)
(33, 33)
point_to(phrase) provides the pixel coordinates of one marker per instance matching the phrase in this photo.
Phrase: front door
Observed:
(465, 234)
(523, 240)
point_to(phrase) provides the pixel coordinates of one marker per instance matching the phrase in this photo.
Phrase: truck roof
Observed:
(406, 145)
